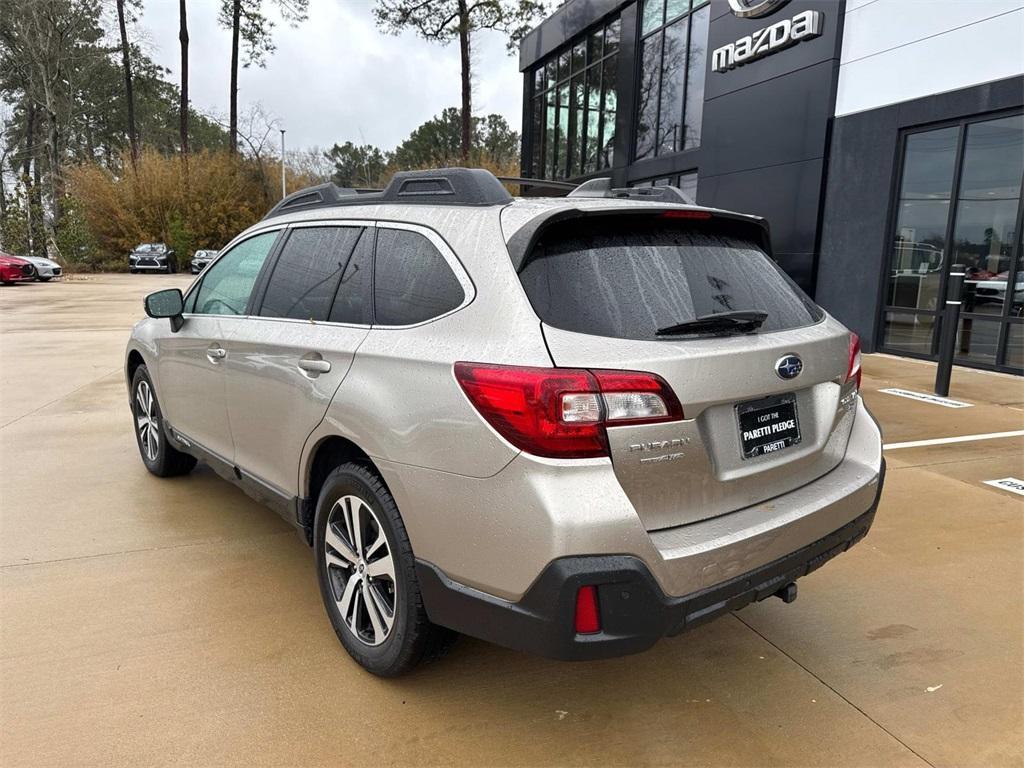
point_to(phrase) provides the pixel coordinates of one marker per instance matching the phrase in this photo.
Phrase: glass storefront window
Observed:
(977, 341)
(919, 247)
(686, 182)
(573, 107)
(959, 207)
(1015, 346)
(673, 57)
(693, 112)
(909, 332)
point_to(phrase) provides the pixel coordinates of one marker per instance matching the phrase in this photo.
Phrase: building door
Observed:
(959, 203)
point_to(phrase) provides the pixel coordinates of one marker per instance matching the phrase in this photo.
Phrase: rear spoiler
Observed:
(522, 242)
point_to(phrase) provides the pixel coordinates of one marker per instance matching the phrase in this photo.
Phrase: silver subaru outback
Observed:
(566, 425)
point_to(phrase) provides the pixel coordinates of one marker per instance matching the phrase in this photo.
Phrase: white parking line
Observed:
(947, 440)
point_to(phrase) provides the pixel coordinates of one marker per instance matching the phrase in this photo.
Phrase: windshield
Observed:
(151, 247)
(626, 281)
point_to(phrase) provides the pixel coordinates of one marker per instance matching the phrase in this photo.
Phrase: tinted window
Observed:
(353, 300)
(412, 280)
(228, 283)
(308, 272)
(627, 280)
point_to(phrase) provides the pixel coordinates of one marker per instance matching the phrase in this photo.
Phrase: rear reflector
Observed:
(588, 619)
(563, 412)
(853, 368)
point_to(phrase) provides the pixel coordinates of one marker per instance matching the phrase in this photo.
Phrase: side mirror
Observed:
(168, 303)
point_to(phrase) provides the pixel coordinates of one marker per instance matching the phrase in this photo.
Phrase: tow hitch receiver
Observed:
(788, 593)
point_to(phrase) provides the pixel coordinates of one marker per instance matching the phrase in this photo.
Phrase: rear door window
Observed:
(412, 280)
(308, 273)
(628, 279)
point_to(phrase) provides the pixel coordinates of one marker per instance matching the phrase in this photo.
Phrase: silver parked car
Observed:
(46, 269)
(200, 259)
(571, 426)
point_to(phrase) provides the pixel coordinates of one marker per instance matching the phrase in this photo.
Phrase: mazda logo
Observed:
(750, 9)
(789, 367)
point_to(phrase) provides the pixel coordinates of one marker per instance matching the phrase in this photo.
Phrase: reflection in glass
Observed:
(1015, 346)
(977, 340)
(609, 108)
(549, 136)
(611, 37)
(928, 164)
(562, 132)
(674, 8)
(537, 136)
(579, 56)
(919, 249)
(563, 66)
(577, 125)
(595, 42)
(647, 109)
(550, 74)
(993, 159)
(654, 15)
(673, 69)
(688, 185)
(985, 240)
(986, 215)
(696, 66)
(538, 80)
(593, 143)
(909, 332)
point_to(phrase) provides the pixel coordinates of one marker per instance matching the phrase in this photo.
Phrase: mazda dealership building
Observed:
(882, 139)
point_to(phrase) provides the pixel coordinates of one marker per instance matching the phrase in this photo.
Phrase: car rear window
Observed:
(626, 279)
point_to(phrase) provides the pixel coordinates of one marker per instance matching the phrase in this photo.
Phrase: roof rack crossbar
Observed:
(444, 186)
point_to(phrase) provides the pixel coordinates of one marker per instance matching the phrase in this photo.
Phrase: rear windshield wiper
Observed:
(740, 321)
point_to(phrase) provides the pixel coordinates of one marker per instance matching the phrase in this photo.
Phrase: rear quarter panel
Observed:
(400, 401)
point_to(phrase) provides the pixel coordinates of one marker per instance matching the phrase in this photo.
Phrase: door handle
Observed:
(314, 366)
(216, 354)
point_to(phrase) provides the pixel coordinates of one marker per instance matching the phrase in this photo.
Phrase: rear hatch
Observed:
(604, 285)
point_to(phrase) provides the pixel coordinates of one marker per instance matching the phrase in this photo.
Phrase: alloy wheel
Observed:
(146, 420)
(360, 570)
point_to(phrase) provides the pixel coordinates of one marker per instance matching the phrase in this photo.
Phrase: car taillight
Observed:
(853, 368)
(563, 412)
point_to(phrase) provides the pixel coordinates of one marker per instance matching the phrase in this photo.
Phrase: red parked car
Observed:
(13, 269)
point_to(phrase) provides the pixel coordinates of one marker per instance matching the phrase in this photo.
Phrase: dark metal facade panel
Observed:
(727, 28)
(563, 25)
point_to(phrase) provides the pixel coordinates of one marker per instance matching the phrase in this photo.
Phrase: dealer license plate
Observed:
(768, 425)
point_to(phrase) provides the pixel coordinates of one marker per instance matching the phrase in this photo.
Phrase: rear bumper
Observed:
(635, 612)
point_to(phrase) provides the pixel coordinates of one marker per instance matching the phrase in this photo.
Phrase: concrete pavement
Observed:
(147, 621)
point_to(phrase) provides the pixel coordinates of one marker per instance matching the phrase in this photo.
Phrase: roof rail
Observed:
(603, 188)
(444, 186)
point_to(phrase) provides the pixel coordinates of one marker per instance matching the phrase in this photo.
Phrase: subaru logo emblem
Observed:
(789, 367)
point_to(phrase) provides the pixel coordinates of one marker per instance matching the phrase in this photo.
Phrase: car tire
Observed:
(8, 282)
(160, 457)
(350, 581)
(44, 279)
(133, 271)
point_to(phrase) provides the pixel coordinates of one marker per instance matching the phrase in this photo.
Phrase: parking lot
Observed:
(147, 621)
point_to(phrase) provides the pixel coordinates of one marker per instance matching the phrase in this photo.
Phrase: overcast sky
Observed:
(335, 77)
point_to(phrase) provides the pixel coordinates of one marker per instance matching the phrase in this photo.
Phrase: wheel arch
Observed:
(131, 364)
(328, 452)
